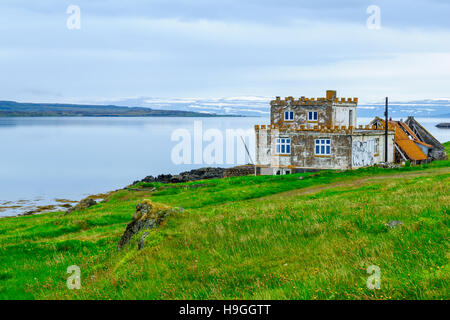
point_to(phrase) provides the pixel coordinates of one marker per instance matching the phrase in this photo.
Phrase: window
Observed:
(312, 116)
(376, 146)
(289, 116)
(323, 147)
(350, 118)
(283, 146)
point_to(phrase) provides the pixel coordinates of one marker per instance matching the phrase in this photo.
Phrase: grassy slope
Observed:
(243, 238)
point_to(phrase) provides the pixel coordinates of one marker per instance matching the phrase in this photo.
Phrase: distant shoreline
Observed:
(18, 109)
(199, 115)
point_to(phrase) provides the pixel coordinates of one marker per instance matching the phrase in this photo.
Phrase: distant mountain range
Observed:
(423, 108)
(16, 109)
(260, 106)
(197, 107)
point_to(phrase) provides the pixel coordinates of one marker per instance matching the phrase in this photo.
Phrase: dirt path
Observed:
(359, 182)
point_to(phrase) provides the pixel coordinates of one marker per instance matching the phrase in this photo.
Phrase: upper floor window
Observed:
(312, 116)
(283, 146)
(323, 147)
(288, 116)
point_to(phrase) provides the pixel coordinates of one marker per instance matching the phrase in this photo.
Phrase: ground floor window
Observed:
(282, 172)
(376, 146)
(323, 147)
(283, 146)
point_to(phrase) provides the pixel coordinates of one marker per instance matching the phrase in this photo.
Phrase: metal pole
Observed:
(249, 156)
(386, 131)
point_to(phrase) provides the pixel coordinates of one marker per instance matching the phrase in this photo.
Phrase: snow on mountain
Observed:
(260, 106)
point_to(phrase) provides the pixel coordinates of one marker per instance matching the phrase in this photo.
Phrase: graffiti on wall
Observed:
(362, 154)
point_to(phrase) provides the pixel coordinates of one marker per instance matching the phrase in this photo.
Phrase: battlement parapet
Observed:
(320, 128)
(331, 97)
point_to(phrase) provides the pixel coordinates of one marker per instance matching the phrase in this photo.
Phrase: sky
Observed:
(135, 49)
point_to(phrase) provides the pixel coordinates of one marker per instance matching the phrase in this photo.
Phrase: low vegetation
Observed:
(302, 236)
(17, 109)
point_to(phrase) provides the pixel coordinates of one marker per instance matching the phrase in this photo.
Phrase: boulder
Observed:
(388, 165)
(148, 216)
(239, 171)
(394, 224)
(83, 204)
(142, 240)
(176, 179)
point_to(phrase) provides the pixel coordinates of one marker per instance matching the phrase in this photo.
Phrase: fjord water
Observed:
(44, 159)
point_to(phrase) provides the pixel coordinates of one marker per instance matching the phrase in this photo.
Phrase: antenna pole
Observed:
(386, 131)
(248, 153)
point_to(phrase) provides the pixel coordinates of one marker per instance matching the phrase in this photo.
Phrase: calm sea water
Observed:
(44, 159)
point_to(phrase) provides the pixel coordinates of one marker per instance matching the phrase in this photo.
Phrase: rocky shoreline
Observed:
(193, 175)
(201, 174)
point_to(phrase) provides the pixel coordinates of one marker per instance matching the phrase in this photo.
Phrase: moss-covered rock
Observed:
(148, 215)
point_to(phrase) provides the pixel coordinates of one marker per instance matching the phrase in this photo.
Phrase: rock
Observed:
(176, 179)
(149, 179)
(388, 165)
(165, 178)
(83, 204)
(193, 175)
(239, 171)
(394, 224)
(142, 240)
(148, 216)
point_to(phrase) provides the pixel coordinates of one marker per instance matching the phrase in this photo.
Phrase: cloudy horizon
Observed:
(196, 49)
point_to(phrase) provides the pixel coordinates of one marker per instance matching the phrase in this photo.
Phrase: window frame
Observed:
(376, 146)
(283, 144)
(290, 114)
(323, 145)
(315, 116)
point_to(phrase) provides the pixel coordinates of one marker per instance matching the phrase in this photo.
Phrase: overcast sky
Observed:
(223, 48)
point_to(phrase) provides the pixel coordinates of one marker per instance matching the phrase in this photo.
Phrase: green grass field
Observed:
(268, 237)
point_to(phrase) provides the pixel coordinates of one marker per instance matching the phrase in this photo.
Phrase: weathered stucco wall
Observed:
(301, 109)
(342, 115)
(303, 150)
(363, 148)
(348, 149)
(362, 153)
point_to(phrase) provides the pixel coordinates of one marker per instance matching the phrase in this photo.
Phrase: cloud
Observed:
(200, 48)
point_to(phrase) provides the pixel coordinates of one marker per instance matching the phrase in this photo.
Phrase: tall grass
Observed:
(245, 238)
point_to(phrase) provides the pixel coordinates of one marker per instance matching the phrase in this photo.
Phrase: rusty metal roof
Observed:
(411, 149)
(407, 145)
